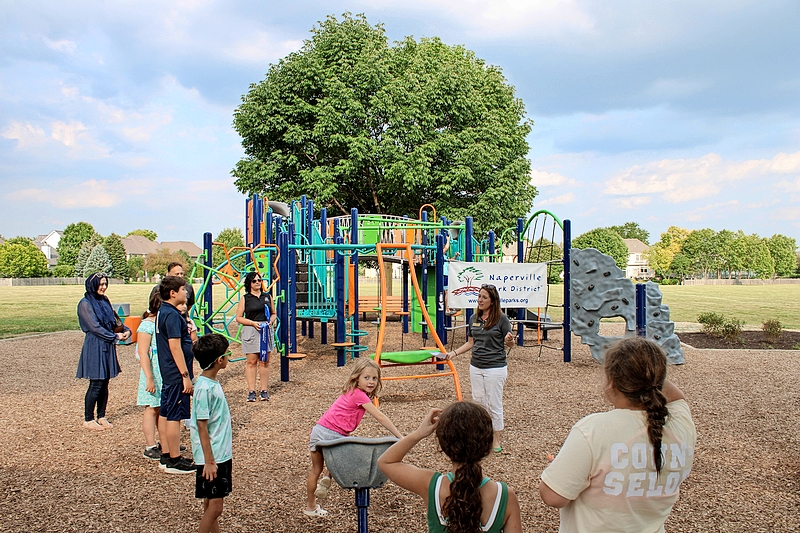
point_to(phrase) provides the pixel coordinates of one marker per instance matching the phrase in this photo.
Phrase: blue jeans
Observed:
(96, 395)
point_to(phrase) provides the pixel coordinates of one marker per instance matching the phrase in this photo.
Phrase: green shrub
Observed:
(712, 323)
(732, 330)
(773, 329)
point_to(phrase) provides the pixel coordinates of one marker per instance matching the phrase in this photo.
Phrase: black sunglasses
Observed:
(488, 286)
(258, 280)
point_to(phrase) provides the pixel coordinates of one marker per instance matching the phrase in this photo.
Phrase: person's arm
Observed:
(508, 339)
(210, 467)
(273, 315)
(551, 497)
(382, 419)
(241, 319)
(464, 348)
(90, 324)
(176, 350)
(672, 392)
(513, 521)
(143, 348)
(405, 475)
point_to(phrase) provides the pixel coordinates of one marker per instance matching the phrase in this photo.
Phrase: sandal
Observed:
(105, 423)
(92, 424)
(319, 511)
(322, 488)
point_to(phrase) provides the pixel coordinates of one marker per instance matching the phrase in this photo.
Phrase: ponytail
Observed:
(655, 405)
(463, 507)
(637, 368)
(465, 435)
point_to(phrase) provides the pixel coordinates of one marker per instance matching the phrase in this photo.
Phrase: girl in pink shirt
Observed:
(341, 419)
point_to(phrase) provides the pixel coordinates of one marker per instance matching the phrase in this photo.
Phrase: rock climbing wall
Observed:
(601, 290)
(660, 328)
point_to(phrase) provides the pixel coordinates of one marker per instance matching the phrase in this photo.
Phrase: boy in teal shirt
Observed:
(212, 443)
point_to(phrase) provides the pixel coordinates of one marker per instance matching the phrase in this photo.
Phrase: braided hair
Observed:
(637, 368)
(465, 435)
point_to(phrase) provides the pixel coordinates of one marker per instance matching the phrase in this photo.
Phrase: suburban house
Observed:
(48, 244)
(638, 267)
(138, 246)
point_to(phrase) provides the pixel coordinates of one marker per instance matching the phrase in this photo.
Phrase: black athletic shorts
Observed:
(175, 405)
(220, 487)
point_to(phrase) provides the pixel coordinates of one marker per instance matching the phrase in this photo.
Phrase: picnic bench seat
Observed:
(372, 304)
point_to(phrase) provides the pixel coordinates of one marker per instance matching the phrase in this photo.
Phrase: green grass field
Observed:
(26, 310)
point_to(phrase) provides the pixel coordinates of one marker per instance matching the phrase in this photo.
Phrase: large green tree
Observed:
(783, 250)
(606, 241)
(98, 261)
(116, 251)
(69, 246)
(661, 254)
(353, 122)
(20, 258)
(632, 230)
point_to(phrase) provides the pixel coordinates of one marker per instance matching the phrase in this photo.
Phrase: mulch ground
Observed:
(56, 476)
(750, 340)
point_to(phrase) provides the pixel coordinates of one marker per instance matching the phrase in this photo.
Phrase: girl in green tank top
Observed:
(461, 501)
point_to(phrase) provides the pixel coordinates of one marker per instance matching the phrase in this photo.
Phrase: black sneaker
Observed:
(252, 396)
(183, 448)
(154, 453)
(180, 466)
(264, 396)
(162, 463)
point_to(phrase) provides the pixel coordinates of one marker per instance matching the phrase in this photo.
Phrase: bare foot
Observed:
(91, 424)
(105, 423)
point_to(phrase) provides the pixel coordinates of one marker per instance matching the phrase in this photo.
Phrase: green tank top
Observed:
(496, 518)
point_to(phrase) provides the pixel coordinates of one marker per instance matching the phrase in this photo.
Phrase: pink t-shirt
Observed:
(346, 412)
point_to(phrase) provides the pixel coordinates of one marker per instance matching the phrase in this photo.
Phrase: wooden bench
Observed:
(371, 304)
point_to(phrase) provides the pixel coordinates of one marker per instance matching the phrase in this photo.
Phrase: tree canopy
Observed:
(632, 230)
(231, 237)
(98, 261)
(146, 233)
(20, 258)
(353, 122)
(605, 241)
(69, 246)
(157, 262)
(116, 251)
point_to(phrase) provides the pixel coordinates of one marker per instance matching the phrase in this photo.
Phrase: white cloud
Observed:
(76, 137)
(27, 135)
(259, 48)
(90, 193)
(680, 180)
(631, 202)
(671, 88)
(716, 209)
(556, 200)
(786, 213)
(62, 45)
(492, 18)
(540, 178)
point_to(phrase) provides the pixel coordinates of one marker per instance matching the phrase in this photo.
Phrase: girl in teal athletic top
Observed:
(461, 501)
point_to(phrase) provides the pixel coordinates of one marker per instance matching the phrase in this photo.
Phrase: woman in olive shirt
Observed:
(490, 332)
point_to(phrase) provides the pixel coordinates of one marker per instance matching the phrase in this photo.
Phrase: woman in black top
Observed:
(489, 330)
(252, 315)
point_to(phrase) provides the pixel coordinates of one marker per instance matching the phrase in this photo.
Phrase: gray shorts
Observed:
(320, 433)
(251, 340)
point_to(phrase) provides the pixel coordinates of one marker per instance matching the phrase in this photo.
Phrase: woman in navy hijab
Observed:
(98, 362)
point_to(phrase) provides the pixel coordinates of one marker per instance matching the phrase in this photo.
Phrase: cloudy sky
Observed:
(665, 113)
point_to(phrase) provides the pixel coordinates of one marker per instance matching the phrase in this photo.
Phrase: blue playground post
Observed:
(491, 246)
(424, 263)
(567, 300)
(292, 281)
(283, 305)
(208, 293)
(521, 259)
(323, 233)
(338, 268)
(641, 310)
(354, 281)
(440, 325)
(468, 257)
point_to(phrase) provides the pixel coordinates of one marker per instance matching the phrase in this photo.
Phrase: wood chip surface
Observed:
(60, 477)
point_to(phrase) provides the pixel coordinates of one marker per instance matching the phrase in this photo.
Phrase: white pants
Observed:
(487, 390)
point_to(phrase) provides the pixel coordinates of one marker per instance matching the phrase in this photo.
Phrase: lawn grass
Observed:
(25, 310)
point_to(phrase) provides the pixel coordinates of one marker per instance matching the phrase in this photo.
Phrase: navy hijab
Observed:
(100, 304)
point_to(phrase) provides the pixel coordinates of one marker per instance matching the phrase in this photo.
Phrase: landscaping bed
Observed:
(750, 340)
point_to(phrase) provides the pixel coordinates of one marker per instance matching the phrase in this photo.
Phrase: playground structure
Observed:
(310, 265)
